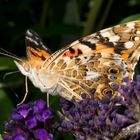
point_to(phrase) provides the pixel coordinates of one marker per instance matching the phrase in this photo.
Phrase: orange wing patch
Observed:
(37, 54)
(76, 51)
(125, 56)
(72, 52)
(100, 47)
(103, 48)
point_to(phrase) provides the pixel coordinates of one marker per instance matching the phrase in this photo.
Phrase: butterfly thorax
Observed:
(43, 78)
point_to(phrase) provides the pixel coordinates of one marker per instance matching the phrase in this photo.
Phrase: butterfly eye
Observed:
(113, 70)
(26, 67)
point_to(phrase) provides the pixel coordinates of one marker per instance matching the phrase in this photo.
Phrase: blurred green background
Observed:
(58, 22)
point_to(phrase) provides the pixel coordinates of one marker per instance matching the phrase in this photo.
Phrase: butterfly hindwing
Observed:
(80, 74)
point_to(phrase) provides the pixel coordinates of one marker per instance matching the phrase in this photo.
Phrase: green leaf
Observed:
(6, 64)
(131, 18)
(5, 109)
(1, 137)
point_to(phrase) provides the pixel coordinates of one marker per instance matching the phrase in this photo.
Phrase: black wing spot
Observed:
(119, 47)
(104, 40)
(88, 43)
(43, 57)
(71, 50)
(79, 52)
(36, 55)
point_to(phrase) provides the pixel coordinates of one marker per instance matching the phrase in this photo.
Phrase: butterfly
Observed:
(98, 61)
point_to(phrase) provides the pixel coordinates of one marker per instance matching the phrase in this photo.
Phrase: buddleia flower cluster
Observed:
(103, 119)
(110, 118)
(29, 122)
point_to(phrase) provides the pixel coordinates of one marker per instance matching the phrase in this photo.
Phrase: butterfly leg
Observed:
(26, 93)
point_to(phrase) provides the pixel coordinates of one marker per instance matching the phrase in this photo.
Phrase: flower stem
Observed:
(128, 131)
(92, 16)
(44, 14)
(105, 14)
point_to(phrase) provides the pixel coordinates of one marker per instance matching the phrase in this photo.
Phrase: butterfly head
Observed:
(30, 69)
(24, 67)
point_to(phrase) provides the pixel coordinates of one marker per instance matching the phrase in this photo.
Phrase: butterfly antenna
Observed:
(26, 93)
(6, 53)
(9, 73)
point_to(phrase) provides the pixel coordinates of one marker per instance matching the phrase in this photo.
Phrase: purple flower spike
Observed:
(24, 122)
(102, 118)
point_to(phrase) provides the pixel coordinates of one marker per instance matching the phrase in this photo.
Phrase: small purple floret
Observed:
(39, 105)
(42, 134)
(31, 122)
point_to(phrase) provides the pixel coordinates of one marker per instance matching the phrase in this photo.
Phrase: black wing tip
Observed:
(30, 33)
(32, 39)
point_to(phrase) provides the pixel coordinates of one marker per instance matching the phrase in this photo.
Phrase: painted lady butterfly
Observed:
(100, 61)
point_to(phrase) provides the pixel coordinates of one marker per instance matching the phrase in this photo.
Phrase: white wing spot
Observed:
(114, 38)
(136, 38)
(92, 40)
(29, 33)
(138, 32)
(32, 40)
(111, 35)
(91, 75)
(131, 25)
(36, 37)
(105, 33)
(128, 44)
